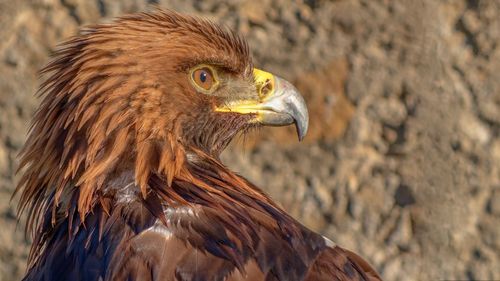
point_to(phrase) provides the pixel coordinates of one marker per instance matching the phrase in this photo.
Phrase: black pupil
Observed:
(203, 76)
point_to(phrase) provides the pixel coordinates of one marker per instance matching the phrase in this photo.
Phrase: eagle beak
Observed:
(279, 103)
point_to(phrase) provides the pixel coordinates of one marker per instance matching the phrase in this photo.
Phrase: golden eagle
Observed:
(121, 172)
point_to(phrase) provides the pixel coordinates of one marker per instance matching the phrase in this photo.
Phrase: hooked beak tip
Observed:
(294, 105)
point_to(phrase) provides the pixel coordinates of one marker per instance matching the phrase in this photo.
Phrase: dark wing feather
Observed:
(149, 240)
(155, 254)
(341, 264)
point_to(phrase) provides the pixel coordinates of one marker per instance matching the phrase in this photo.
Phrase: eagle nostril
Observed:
(266, 88)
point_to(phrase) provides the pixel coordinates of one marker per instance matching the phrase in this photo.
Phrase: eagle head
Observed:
(146, 92)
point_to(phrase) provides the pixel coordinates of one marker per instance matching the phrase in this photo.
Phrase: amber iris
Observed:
(204, 78)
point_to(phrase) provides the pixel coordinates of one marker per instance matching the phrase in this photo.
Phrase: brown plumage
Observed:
(121, 176)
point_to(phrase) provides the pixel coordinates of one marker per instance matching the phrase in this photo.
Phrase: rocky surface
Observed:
(402, 163)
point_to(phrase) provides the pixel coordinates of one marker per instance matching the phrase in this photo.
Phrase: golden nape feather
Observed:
(121, 177)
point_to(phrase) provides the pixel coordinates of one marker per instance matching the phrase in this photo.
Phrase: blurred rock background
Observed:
(402, 162)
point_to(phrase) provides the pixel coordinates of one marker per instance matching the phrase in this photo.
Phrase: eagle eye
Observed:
(204, 78)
